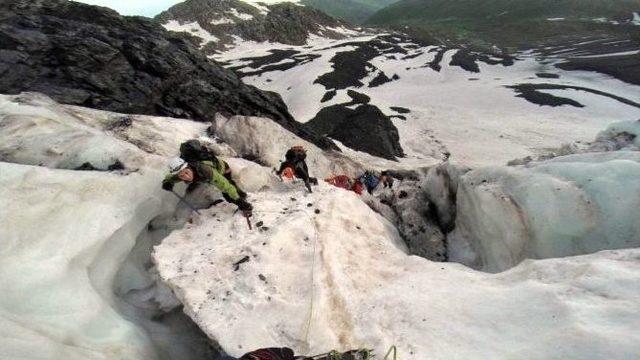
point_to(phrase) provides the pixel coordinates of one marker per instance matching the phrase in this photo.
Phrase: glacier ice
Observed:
(67, 236)
(324, 270)
(569, 205)
(336, 275)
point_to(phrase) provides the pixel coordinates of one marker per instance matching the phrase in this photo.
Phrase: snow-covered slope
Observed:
(75, 250)
(324, 271)
(74, 260)
(481, 108)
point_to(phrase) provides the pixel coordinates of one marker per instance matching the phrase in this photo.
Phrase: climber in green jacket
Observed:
(209, 172)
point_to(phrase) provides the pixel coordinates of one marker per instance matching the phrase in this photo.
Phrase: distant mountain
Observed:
(218, 25)
(510, 22)
(590, 35)
(480, 10)
(354, 11)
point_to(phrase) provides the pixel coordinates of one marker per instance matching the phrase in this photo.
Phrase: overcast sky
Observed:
(144, 7)
(135, 7)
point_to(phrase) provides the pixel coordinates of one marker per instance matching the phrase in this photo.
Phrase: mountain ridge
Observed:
(222, 24)
(85, 55)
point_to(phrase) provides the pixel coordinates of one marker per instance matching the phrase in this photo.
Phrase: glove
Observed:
(247, 213)
(243, 205)
(166, 185)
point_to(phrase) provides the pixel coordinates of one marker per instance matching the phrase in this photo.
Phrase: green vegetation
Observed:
(506, 10)
(506, 22)
(354, 11)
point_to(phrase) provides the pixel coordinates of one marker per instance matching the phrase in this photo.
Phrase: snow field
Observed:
(457, 111)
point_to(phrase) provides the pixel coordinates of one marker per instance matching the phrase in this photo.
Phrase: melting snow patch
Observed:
(192, 28)
(342, 30)
(221, 21)
(242, 16)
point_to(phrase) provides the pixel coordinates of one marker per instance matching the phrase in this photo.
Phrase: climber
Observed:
(208, 172)
(193, 151)
(295, 166)
(371, 180)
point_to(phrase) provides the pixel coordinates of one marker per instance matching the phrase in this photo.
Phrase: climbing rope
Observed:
(333, 355)
(307, 323)
(312, 295)
(392, 348)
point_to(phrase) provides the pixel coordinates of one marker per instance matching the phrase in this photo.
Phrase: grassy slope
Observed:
(504, 22)
(515, 9)
(355, 11)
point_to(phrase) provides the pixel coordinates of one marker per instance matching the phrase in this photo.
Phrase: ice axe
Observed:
(247, 216)
(248, 221)
(182, 199)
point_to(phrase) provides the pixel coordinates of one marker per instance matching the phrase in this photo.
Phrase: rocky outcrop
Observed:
(422, 207)
(364, 128)
(91, 56)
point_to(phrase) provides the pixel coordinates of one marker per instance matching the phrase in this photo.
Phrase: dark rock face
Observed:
(532, 93)
(468, 60)
(328, 96)
(273, 62)
(435, 63)
(548, 76)
(625, 67)
(364, 129)
(351, 67)
(357, 98)
(422, 205)
(613, 52)
(91, 56)
(400, 110)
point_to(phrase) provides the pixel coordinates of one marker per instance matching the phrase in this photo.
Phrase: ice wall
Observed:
(64, 235)
(71, 240)
(569, 205)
